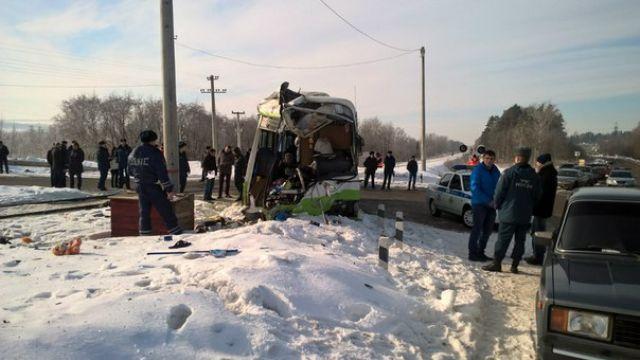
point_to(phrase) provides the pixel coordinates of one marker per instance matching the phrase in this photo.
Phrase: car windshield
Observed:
(621, 174)
(568, 173)
(602, 226)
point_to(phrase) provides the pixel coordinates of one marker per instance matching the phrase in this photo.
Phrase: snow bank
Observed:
(294, 290)
(14, 195)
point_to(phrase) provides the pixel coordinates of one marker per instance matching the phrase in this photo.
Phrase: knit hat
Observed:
(525, 152)
(148, 136)
(544, 158)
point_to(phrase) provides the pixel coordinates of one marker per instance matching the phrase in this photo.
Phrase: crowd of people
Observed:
(516, 196)
(375, 161)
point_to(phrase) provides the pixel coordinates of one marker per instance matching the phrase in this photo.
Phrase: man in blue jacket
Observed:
(484, 179)
(149, 171)
(516, 194)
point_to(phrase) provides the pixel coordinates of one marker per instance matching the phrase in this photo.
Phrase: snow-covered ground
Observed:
(14, 195)
(435, 168)
(294, 291)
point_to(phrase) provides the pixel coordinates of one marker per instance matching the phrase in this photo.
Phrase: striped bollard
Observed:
(399, 228)
(381, 211)
(383, 252)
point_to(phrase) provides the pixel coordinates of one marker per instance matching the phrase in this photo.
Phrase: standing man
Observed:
(209, 167)
(544, 208)
(50, 161)
(184, 167)
(516, 194)
(412, 167)
(76, 157)
(59, 161)
(149, 171)
(370, 167)
(102, 157)
(239, 169)
(484, 179)
(224, 165)
(65, 154)
(204, 171)
(4, 158)
(123, 154)
(389, 165)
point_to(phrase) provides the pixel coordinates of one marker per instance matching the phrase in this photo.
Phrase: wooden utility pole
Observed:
(169, 105)
(423, 144)
(213, 91)
(238, 128)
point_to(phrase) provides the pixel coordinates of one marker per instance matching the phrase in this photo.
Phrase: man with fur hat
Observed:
(544, 208)
(149, 170)
(517, 192)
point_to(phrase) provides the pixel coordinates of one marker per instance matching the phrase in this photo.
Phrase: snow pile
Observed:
(14, 195)
(294, 290)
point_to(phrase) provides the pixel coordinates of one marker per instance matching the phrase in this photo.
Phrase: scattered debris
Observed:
(67, 248)
(26, 240)
(180, 244)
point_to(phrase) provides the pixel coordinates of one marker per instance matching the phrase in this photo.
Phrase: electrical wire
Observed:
(286, 67)
(78, 87)
(362, 32)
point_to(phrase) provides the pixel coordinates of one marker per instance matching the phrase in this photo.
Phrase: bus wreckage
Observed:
(304, 156)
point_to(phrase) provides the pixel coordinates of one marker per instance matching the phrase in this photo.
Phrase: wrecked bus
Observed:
(304, 156)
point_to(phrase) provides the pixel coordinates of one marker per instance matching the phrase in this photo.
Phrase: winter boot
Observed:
(514, 266)
(532, 260)
(494, 267)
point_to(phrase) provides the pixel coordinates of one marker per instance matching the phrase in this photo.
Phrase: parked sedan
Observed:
(621, 178)
(572, 178)
(452, 194)
(588, 303)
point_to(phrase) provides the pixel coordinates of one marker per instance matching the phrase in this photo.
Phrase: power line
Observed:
(79, 87)
(286, 67)
(362, 32)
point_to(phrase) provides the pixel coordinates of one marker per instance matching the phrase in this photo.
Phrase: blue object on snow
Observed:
(281, 216)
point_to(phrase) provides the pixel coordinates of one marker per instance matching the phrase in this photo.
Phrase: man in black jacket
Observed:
(209, 166)
(370, 167)
(76, 157)
(50, 161)
(102, 157)
(544, 208)
(4, 155)
(204, 172)
(59, 160)
(389, 166)
(184, 168)
(412, 168)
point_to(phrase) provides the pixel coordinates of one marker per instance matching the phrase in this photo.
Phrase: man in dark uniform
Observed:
(184, 168)
(517, 192)
(149, 170)
(122, 155)
(389, 165)
(102, 158)
(59, 163)
(239, 170)
(544, 208)
(4, 161)
(370, 166)
(76, 157)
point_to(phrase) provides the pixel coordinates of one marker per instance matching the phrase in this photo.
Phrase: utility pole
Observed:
(423, 144)
(213, 91)
(238, 128)
(169, 106)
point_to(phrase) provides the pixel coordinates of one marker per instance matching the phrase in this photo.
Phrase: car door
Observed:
(441, 196)
(455, 202)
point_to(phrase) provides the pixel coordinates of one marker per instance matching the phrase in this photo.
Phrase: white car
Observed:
(452, 194)
(621, 178)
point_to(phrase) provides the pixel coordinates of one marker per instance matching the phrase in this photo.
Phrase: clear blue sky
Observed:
(482, 57)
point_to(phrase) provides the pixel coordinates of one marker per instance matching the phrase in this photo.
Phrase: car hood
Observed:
(566, 179)
(608, 284)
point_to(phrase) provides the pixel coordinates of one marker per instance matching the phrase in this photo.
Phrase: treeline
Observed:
(381, 137)
(624, 143)
(90, 119)
(540, 127)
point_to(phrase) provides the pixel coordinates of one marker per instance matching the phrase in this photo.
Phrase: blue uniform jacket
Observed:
(147, 166)
(483, 184)
(516, 194)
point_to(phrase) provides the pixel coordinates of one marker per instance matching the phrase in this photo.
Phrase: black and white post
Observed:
(383, 252)
(399, 228)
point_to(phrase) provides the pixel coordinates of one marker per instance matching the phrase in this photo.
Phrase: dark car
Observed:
(588, 304)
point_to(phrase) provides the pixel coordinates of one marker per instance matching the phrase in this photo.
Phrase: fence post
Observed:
(383, 252)
(399, 228)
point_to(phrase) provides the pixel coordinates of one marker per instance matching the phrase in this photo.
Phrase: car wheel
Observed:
(467, 216)
(433, 210)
